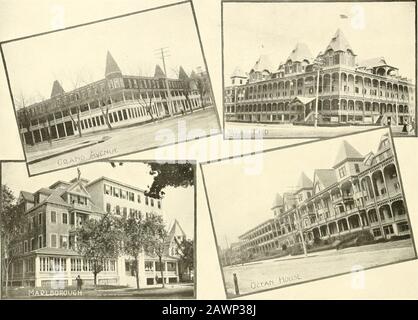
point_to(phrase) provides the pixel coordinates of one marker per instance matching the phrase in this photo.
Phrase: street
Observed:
(266, 130)
(108, 144)
(174, 291)
(290, 270)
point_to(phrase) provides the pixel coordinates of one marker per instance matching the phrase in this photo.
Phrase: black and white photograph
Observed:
(318, 69)
(108, 230)
(300, 218)
(109, 88)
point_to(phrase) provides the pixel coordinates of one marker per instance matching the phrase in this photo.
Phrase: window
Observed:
(357, 167)
(53, 217)
(388, 229)
(342, 172)
(65, 218)
(63, 242)
(106, 189)
(377, 232)
(403, 227)
(131, 196)
(40, 241)
(152, 202)
(146, 200)
(25, 246)
(40, 219)
(159, 204)
(117, 210)
(32, 244)
(53, 240)
(108, 207)
(125, 212)
(124, 194)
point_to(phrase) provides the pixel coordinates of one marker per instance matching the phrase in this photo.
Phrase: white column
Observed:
(68, 271)
(38, 281)
(141, 270)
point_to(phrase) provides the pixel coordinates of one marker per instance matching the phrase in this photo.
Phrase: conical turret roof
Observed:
(159, 73)
(182, 74)
(300, 52)
(111, 65)
(339, 42)
(347, 152)
(304, 181)
(56, 89)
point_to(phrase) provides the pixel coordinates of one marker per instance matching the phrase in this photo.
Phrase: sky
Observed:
(178, 203)
(373, 30)
(34, 63)
(246, 197)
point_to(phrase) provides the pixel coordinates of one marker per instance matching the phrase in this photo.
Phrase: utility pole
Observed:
(163, 53)
(319, 63)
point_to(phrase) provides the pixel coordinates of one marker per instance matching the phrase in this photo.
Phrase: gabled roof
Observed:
(27, 196)
(56, 89)
(55, 198)
(78, 188)
(304, 181)
(278, 201)
(326, 177)
(44, 191)
(263, 63)
(182, 74)
(159, 73)
(111, 65)
(303, 100)
(339, 42)
(300, 53)
(238, 73)
(347, 152)
(373, 63)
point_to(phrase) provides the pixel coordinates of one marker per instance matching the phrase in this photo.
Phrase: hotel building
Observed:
(359, 194)
(349, 90)
(47, 257)
(118, 100)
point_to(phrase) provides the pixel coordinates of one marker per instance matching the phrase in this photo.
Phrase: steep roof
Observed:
(27, 196)
(304, 181)
(326, 177)
(238, 73)
(300, 52)
(347, 151)
(278, 201)
(373, 63)
(339, 42)
(56, 89)
(182, 74)
(111, 65)
(159, 73)
(263, 63)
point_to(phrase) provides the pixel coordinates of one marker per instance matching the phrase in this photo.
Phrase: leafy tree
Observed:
(99, 241)
(169, 174)
(11, 230)
(135, 237)
(186, 248)
(157, 241)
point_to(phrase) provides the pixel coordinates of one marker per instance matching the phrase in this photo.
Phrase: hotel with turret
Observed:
(118, 100)
(47, 256)
(349, 90)
(359, 197)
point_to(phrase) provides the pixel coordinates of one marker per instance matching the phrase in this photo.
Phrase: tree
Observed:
(157, 241)
(186, 249)
(135, 237)
(202, 86)
(143, 102)
(98, 241)
(169, 174)
(12, 222)
(25, 116)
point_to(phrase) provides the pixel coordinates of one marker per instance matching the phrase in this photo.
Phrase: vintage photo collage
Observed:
(89, 213)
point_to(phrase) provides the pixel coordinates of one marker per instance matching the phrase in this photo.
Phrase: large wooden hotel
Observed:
(350, 90)
(116, 101)
(359, 194)
(47, 256)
